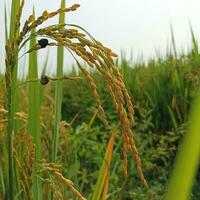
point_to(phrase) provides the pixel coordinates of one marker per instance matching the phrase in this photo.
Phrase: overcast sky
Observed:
(140, 26)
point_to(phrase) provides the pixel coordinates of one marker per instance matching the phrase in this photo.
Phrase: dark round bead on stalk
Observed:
(43, 42)
(44, 79)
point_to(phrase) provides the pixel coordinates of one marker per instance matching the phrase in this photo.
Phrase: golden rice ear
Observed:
(95, 54)
(92, 84)
(25, 167)
(33, 23)
(53, 169)
(102, 57)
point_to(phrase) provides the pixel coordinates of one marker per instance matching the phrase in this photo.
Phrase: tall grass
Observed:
(11, 104)
(101, 187)
(58, 92)
(34, 112)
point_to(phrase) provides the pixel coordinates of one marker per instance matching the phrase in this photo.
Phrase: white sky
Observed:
(140, 26)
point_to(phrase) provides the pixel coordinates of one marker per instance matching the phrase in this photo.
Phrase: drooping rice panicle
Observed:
(80, 44)
(101, 57)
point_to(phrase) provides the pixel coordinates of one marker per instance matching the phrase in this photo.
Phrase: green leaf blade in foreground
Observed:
(11, 107)
(34, 114)
(5, 21)
(187, 160)
(14, 10)
(102, 182)
(58, 92)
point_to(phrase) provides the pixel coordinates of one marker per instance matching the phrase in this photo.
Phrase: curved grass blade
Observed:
(58, 92)
(187, 160)
(102, 182)
(6, 21)
(11, 107)
(34, 113)
(173, 41)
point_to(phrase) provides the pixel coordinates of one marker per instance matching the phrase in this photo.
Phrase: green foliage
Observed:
(12, 184)
(187, 161)
(34, 112)
(58, 91)
(163, 92)
(165, 87)
(102, 184)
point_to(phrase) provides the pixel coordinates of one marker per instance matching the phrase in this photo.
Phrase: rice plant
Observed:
(29, 174)
(57, 143)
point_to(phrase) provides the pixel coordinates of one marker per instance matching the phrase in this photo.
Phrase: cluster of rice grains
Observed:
(25, 165)
(80, 43)
(101, 57)
(96, 55)
(53, 170)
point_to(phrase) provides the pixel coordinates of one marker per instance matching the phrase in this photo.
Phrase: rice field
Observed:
(111, 130)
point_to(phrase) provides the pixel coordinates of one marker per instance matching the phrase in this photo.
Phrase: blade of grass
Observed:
(194, 41)
(102, 182)
(41, 87)
(6, 21)
(5, 150)
(173, 41)
(58, 93)
(105, 188)
(2, 183)
(173, 118)
(11, 107)
(34, 113)
(187, 160)
(92, 119)
(14, 10)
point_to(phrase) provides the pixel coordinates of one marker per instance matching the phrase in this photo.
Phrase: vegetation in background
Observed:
(163, 91)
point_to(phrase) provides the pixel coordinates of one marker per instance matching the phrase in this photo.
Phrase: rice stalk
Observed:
(34, 112)
(6, 21)
(194, 43)
(173, 41)
(25, 166)
(58, 92)
(103, 178)
(11, 79)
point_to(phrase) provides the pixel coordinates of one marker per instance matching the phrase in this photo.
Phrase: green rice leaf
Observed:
(101, 187)
(187, 160)
(34, 112)
(58, 92)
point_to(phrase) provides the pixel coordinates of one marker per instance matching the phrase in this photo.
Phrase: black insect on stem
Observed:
(43, 42)
(44, 79)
